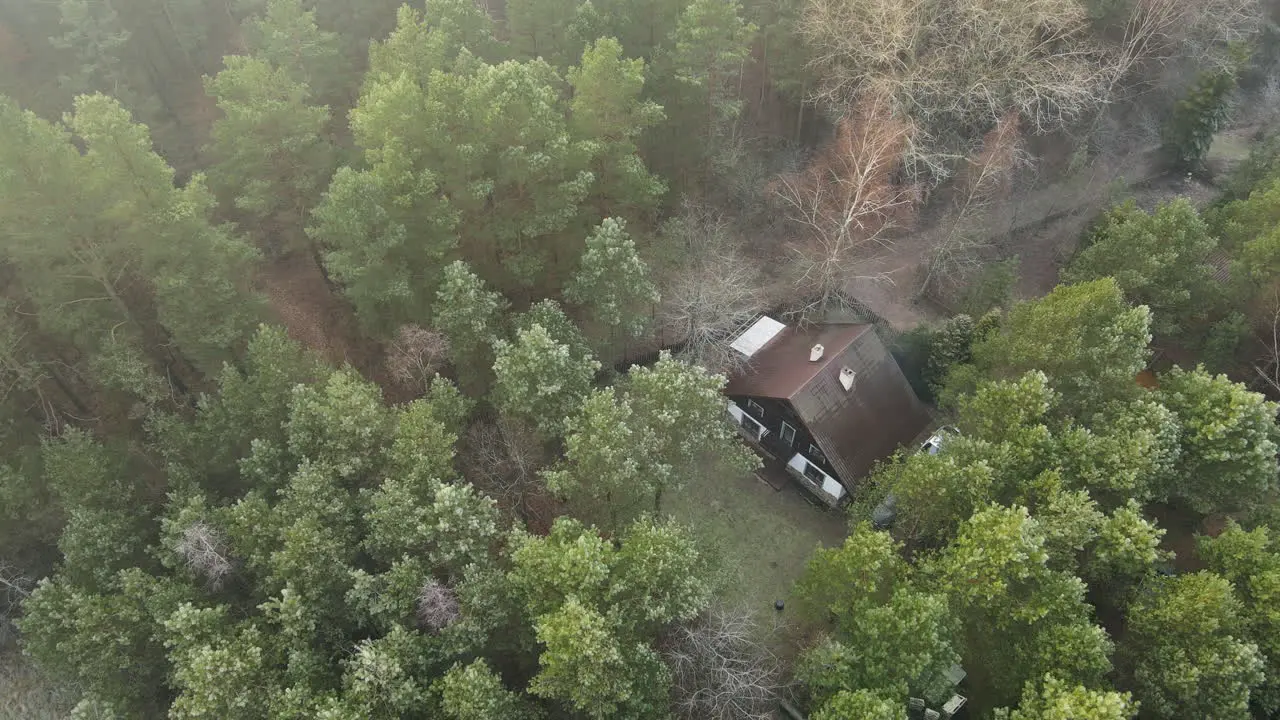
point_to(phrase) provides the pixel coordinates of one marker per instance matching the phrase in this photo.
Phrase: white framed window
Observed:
(788, 434)
(815, 452)
(812, 472)
(755, 407)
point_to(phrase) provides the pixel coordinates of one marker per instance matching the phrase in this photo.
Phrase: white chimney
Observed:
(847, 376)
(816, 353)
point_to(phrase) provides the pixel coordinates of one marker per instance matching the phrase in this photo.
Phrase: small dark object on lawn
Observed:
(779, 604)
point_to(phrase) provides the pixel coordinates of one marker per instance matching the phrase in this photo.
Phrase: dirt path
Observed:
(302, 302)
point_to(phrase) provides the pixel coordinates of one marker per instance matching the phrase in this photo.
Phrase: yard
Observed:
(762, 537)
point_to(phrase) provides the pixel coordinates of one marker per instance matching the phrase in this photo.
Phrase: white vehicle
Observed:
(939, 438)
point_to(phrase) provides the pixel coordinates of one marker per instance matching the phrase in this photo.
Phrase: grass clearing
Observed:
(761, 537)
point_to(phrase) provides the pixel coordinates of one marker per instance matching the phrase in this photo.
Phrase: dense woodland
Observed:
(354, 355)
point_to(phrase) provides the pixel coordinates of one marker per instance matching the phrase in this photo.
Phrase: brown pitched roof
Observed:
(854, 428)
(781, 368)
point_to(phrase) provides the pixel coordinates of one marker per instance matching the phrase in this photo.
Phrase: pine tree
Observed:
(385, 237)
(271, 155)
(116, 258)
(608, 108)
(707, 51)
(287, 38)
(542, 29)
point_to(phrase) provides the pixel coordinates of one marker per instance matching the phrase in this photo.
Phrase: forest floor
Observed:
(26, 694)
(303, 303)
(314, 315)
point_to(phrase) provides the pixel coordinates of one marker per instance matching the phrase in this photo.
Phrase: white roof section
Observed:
(757, 336)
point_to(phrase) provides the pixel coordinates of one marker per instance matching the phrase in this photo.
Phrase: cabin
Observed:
(821, 403)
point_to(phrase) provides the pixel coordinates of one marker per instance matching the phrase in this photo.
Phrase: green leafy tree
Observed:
(1158, 260)
(890, 637)
(539, 381)
(665, 429)
(653, 576)
(558, 325)
(682, 407)
(1126, 548)
(341, 424)
(469, 315)
(1198, 116)
(1053, 699)
(198, 271)
(450, 525)
(864, 704)
(423, 446)
(1128, 451)
(612, 282)
(383, 680)
(603, 473)
(659, 575)
(543, 29)
(587, 666)
(491, 151)
(935, 493)
(571, 561)
(448, 405)
(93, 31)
(105, 507)
(641, 26)
(384, 231)
(219, 669)
(1229, 440)
(903, 645)
(537, 171)
(1002, 410)
(950, 345)
(433, 40)
(492, 138)
(1085, 338)
(1250, 560)
(1022, 618)
(109, 641)
(115, 260)
(1254, 214)
(474, 692)
(863, 572)
(251, 404)
(341, 580)
(1184, 653)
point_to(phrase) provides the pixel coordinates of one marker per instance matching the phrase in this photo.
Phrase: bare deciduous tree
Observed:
(204, 550)
(437, 606)
(986, 179)
(1268, 365)
(15, 586)
(958, 67)
(846, 201)
(959, 64)
(415, 354)
(504, 458)
(721, 668)
(714, 289)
